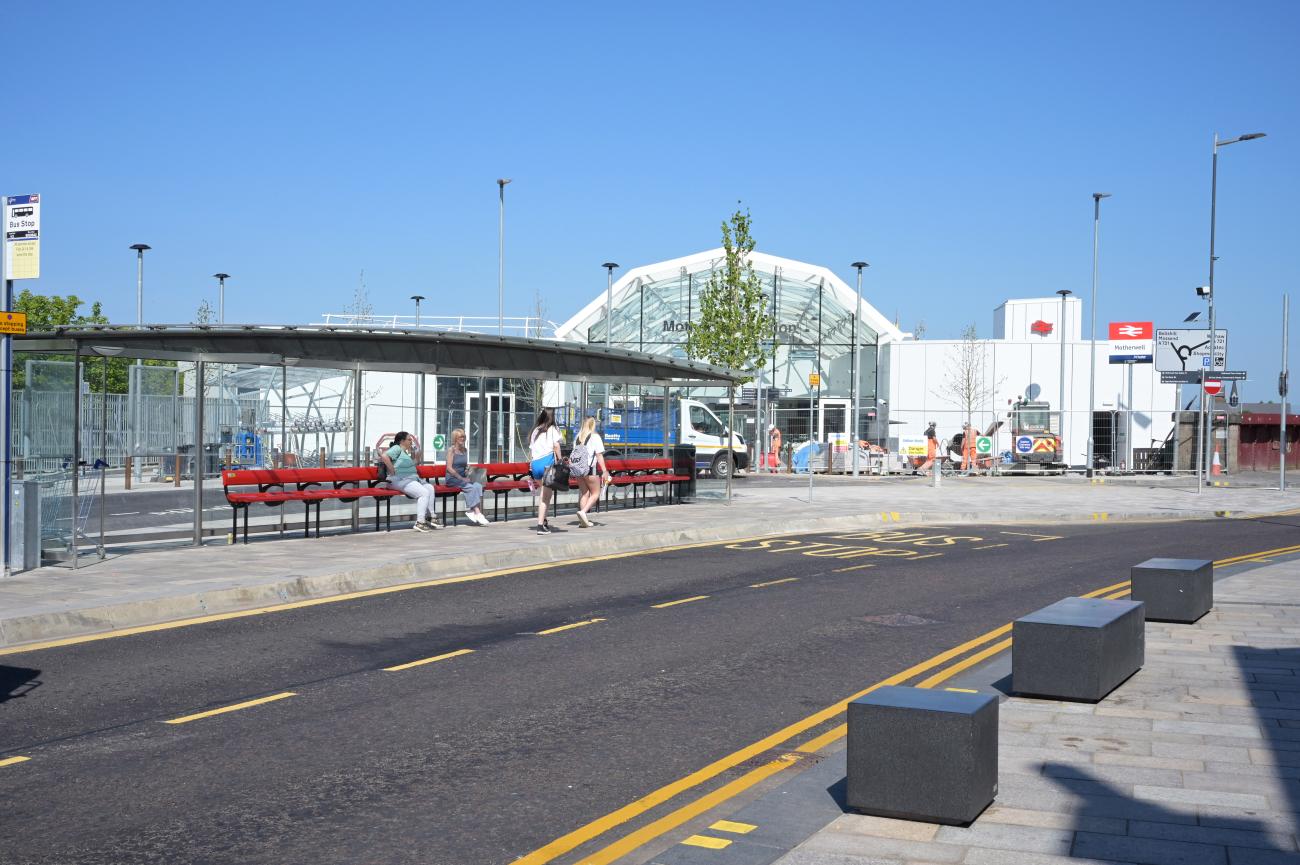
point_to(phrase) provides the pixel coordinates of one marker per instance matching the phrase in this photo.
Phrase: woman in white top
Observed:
(544, 449)
(588, 456)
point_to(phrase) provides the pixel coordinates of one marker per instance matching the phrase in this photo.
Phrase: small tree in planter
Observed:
(733, 319)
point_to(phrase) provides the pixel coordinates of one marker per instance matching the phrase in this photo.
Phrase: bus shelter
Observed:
(212, 376)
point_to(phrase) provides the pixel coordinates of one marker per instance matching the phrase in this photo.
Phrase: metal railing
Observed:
(525, 326)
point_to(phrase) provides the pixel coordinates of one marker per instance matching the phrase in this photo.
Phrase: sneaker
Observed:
(433, 525)
(583, 521)
(543, 529)
(479, 519)
(422, 527)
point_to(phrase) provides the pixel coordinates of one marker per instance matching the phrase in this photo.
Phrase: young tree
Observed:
(204, 314)
(734, 318)
(964, 382)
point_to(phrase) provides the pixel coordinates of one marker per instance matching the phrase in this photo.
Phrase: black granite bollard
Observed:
(1174, 590)
(920, 754)
(1077, 648)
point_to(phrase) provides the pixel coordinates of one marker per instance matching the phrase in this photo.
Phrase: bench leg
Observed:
(318, 504)
(306, 520)
(234, 522)
(245, 523)
(388, 513)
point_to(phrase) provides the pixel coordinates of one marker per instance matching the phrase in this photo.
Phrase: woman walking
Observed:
(588, 456)
(402, 475)
(458, 476)
(544, 449)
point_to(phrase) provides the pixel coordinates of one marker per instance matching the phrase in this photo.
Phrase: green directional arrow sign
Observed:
(983, 445)
(439, 442)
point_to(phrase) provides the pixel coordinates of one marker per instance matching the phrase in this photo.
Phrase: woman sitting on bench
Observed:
(402, 475)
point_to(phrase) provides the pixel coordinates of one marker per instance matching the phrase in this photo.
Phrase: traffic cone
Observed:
(1215, 468)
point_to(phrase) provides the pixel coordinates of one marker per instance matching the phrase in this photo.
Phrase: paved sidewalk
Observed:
(142, 587)
(1196, 759)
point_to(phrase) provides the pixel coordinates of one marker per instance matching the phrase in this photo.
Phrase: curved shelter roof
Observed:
(379, 349)
(795, 275)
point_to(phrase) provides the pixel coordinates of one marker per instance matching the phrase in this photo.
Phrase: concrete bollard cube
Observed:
(1077, 648)
(1174, 590)
(920, 754)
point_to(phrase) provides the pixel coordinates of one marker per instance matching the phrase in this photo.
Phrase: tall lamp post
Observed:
(1092, 339)
(1064, 293)
(609, 323)
(857, 387)
(140, 249)
(221, 319)
(1214, 194)
(419, 383)
(501, 294)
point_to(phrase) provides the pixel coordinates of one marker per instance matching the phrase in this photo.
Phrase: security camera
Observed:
(1202, 291)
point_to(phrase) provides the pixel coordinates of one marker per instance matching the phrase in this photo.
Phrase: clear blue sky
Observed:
(953, 145)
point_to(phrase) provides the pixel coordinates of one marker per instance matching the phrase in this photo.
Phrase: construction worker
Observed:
(931, 449)
(968, 453)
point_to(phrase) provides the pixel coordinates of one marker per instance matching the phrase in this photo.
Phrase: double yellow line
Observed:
(645, 834)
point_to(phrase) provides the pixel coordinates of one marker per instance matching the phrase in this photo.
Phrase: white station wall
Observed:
(917, 372)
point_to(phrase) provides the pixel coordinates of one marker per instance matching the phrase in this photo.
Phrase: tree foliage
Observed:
(734, 318)
(47, 312)
(964, 382)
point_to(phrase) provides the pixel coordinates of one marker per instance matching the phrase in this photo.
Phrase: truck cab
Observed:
(1032, 439)
(641, 428)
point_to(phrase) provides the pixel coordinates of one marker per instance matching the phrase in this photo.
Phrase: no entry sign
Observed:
(1213, 386)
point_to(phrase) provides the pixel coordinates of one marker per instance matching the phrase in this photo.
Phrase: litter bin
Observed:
(684, 465)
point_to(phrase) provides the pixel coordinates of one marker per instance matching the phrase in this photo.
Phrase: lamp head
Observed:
(1251, 136)
(140, 247)
(417, 297)
(1064, 292)
(859, 265)
(609, 265)
(1098, 196)
(502, 181)
(221, 276)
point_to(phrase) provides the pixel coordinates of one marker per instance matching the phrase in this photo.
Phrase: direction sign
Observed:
(983, 445)
(439, 442)
(1232, 375)
(1184, 348)
(1130, 341)
(1189, 377)
(1213, 386)
(22, 241)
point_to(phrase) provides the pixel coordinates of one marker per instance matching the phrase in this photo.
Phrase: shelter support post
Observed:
(76, 450)
(482, 420)
(356, 439)
(667, 415)
(199, 455)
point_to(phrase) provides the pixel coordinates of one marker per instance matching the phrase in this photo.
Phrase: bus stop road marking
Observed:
(568, 627)
(855, 567)
(9, 761)
(235, 708)
(432, 660)
(675, 603)
(707, 842)
(733, 826)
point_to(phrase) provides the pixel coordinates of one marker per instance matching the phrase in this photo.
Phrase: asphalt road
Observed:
(486, 756)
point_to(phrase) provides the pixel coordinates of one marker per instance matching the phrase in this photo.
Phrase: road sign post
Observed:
(20, 259)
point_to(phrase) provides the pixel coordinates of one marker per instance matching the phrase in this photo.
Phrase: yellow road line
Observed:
(1115, 597)
(855, 567)
(424, 661)
(1103, 591)
(568, 627)
(773, 583)
(9, 761)
(649, 832)
(733, 826)
(235, 708)
(707, 842)
(675, 603)
(364, 593)
(962, 690)
(1248, 556)
(597, 827)
(966, 663)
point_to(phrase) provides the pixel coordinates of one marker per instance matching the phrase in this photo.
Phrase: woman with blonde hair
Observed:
(588, 455)
(458, 476)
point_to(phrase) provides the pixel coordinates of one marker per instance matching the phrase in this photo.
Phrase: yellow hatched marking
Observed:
(707, 842)
(855, 567)
(773, 583)
(9, 761)
(965, 664)
(732, 826)
(235, 708)
(568, 627)
(424, 661)
(682, 601)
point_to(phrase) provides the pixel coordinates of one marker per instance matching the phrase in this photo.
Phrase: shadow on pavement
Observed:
(17, 682)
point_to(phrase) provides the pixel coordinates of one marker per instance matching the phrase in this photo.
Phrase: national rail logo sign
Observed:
(1131, 341)
(1042, 328)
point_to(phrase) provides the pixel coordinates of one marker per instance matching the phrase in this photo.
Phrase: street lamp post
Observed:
(1092, 339)
(501, 297)
(1214, 194)
(419, 383)
(857, 387)
(221, 319)
(1064, 293)
(609, 323)
(140, 249)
